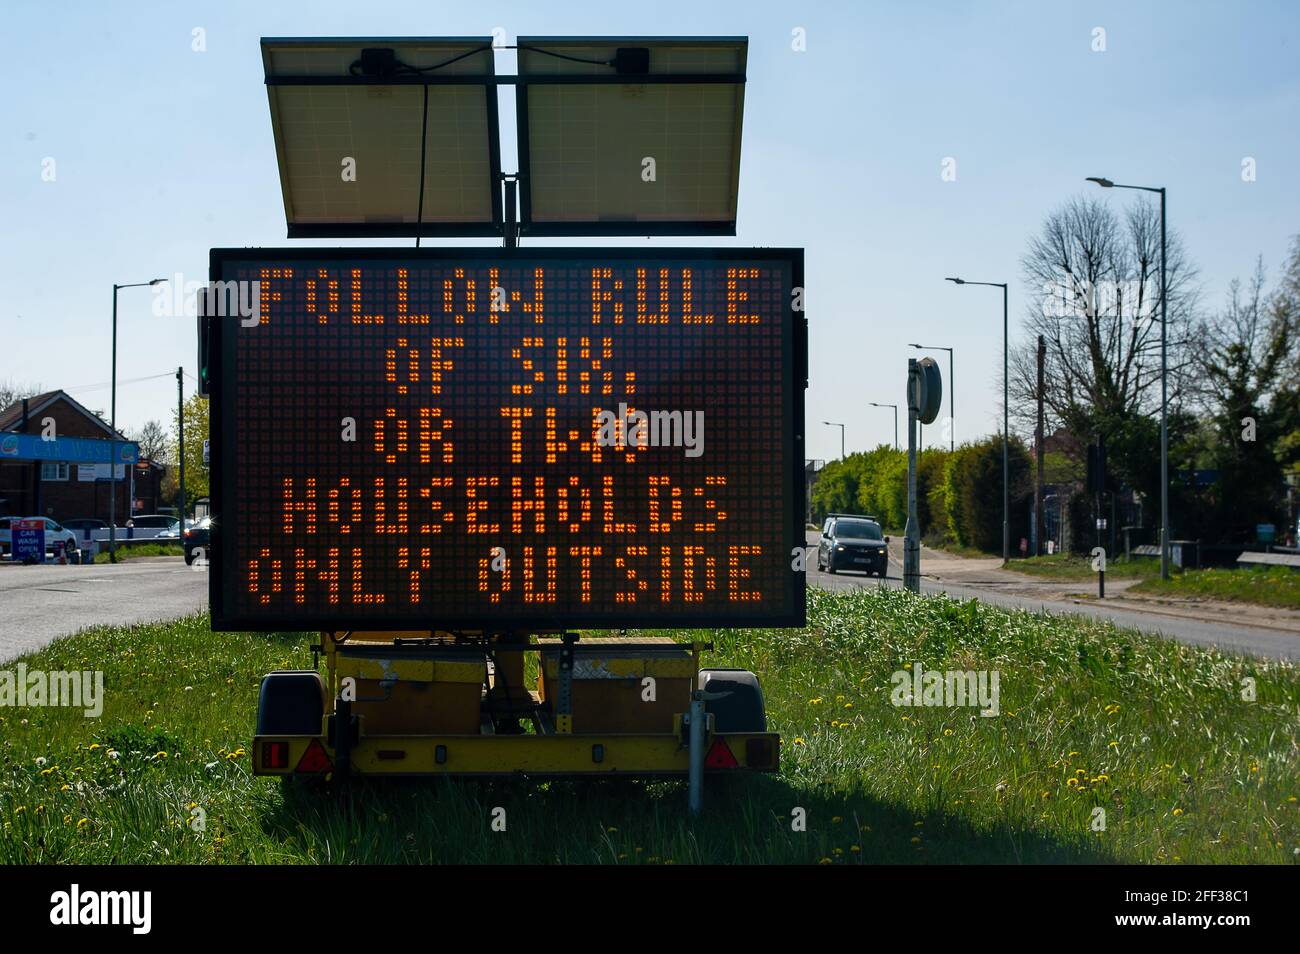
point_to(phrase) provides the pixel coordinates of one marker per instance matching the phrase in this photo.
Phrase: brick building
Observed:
(65, 489)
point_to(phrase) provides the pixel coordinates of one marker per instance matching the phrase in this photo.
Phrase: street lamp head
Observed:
(956, 281)
(158, 281)
(910, 345)
(1101, 181)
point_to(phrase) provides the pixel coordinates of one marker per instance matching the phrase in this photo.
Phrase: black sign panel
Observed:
(488, 439)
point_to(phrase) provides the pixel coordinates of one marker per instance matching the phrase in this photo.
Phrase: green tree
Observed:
(1248, 365)
(196, 474)
(973, 489)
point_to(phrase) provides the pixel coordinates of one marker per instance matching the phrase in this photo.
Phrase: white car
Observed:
(54, 532)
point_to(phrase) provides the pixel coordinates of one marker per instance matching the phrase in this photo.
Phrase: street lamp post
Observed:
(952, 397)
(1006, 467)
(895, 407)
(112, 466)
(1164, 371)
(841, 427)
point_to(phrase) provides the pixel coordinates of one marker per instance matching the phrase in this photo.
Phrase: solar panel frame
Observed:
(703, 73)
(314, 71)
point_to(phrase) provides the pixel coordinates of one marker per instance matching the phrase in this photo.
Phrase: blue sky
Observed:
(163, 153)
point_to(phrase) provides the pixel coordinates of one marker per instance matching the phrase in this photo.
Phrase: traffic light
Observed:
(204, 374)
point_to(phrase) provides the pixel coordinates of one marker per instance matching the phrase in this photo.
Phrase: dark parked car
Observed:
(851, 542)
(196, 540)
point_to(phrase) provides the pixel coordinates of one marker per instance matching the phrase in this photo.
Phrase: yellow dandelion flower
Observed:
(1071, 782)
(836, 820)
(815, 702)
(93, 746)
(160, 755)
(1178, 812)
(854, 848)
(83, 822)
(947, 732)
(916, 840)
(798, 741)
(825, 861)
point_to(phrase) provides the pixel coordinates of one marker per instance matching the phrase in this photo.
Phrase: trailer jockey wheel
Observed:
(740, 708)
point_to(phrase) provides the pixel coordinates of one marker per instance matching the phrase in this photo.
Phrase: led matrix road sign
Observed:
(484, 439)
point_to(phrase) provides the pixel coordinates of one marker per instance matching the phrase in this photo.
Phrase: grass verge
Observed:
(1154, 733)
(142, 550)
(1068, 567)
(1265, 586)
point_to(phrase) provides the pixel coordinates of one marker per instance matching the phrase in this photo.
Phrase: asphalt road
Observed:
(1246, 640)
(41, 603)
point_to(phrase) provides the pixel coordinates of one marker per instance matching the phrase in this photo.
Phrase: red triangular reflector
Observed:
(720, 756)
(314, 759)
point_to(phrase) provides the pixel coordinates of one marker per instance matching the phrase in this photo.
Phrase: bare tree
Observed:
(154, 441)
(1095, 298)
(12, 391)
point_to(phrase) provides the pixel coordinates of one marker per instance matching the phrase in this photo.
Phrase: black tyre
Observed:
(741, 708)
(290, 703)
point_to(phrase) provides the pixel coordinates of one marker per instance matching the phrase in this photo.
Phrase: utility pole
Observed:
(1039, 522)
(180, 440)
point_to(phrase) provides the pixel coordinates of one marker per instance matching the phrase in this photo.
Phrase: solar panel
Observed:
(348, 139)
(615, 141)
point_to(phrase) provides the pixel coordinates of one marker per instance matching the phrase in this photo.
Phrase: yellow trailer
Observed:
(435, 703)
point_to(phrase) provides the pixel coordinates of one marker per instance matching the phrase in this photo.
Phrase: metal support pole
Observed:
(695, 782)
(911, 533)
(1164, 403)
(1039, 523)
(1006, 437)
(512, 229)
(180, 441)
(952, 407)
(112, 465)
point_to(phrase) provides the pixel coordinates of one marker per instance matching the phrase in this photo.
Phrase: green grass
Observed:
(1069, 567)
(142, 550)
(1265, 586)
(1185, 769)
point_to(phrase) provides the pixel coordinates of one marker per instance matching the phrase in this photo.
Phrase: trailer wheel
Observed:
(741, 710)
(290, 703)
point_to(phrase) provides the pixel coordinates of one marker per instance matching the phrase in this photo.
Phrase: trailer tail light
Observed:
(720, 756)
(760, 753)
(314, 759)
(275, 755)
